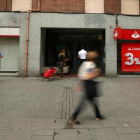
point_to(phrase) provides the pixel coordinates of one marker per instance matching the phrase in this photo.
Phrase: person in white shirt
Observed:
(82, 55)
(87, 73)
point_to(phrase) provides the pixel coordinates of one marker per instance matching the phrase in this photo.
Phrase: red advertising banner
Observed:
(130, 34)
(130, 57)
(126, 34)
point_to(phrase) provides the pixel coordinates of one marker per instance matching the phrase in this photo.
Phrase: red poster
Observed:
(130, 57)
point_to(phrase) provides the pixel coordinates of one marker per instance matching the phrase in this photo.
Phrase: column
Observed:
(110, 54)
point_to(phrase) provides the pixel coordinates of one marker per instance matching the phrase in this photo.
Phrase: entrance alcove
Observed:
(71, 40)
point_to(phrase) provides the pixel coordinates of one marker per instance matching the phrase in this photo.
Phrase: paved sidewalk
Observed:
(31, 109)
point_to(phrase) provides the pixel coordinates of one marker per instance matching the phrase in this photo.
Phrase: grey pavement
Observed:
(31, 109)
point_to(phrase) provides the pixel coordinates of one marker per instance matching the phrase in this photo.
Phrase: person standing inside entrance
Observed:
(82, 55)
(0, 58)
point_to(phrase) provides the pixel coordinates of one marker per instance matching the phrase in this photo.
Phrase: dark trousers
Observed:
(82, 60)
(60, 65)
(81, 105)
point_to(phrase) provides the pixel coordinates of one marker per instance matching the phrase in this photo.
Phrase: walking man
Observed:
(82, 55)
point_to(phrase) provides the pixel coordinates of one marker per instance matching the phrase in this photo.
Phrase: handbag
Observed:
(91, 88)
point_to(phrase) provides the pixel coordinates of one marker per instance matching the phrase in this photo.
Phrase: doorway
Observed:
(71, 40)
(9, 47)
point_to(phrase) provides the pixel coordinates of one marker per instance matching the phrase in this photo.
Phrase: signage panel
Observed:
(130, 57)
(126, 34)
(117, 33)
(130, 34)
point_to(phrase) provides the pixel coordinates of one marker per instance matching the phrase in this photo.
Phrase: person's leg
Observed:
(98, 116)
(61, 69)
(80, 61)
(78, 110)
(90, 87)
(94, 104)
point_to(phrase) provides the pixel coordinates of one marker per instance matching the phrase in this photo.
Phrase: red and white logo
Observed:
(116, 33)
(135, 35)
(126, 34)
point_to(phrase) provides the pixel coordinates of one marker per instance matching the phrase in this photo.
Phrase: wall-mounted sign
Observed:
(117, 33)
(130, 57)
(126, 34)
(130, 34)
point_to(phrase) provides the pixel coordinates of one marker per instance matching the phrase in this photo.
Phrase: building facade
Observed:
(30, 45)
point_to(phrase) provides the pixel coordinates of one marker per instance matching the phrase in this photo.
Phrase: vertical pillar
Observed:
(34, 52)
(43, 47)
(110, 54)
(22, 44)
(74, 56)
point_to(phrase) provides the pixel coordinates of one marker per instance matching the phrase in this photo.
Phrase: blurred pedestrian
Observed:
(61, 62)
(87, 73)
(0, 58)
(82, 55)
